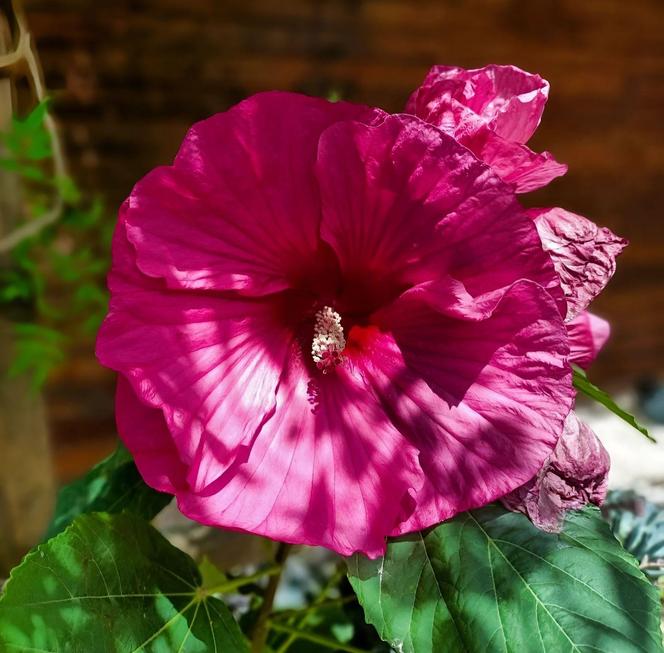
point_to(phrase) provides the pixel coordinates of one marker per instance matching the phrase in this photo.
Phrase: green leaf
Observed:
(16, 285)
(488, 580)
(68, 189)
(343, 631)
(113, 584)
(72, 267)
(81, 219)
(112, 486)
(211, 574)
(35, 118)
(39, 349)
(330, 622)
(26, 170)
(583, 384)
(28, 137)
(38, 332)
(90, 294)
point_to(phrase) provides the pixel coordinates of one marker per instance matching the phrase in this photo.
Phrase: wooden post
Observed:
(27, 486)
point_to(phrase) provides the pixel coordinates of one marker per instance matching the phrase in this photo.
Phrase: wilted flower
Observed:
(332, 325)
(574, 475)
(583, 254)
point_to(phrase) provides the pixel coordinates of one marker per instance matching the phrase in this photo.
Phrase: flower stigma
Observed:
(328, 342)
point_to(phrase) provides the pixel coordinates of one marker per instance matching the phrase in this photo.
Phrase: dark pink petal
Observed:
(239, 208)
(211, 364)
(144, 432)
(575, 475)
(438, 106)
(483, 398)
(493, 111)
(587, 333)
(514, 101)
(328, 468)
(508, 99)
(583, 254)
(404, 203)
(124, 275)
(513, 162)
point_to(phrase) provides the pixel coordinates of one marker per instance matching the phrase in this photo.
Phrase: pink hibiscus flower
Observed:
(332, 325)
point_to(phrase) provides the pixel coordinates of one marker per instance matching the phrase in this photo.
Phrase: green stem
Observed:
(318, 603)
(314, 607)
(316, 639)
(235, 583)
(259, 636)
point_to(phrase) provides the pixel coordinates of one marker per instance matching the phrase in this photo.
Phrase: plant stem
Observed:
(287, 615)
(318, 603)
(236, 583)
(259, 636)
(25, 56)
(317, 639)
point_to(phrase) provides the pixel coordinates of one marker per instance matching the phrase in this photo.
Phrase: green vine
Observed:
(52, 274)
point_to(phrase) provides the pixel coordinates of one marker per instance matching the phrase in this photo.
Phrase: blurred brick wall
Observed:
(130, 76)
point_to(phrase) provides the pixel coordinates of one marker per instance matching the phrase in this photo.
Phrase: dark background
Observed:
(129, 77)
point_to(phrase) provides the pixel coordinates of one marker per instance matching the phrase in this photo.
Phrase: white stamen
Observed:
(328, 342)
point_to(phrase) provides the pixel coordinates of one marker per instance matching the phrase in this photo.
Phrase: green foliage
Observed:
(52, 278)
(211, 575)
(114, 485)
(639, 525)
(488, 580)
(38, 351)
(112, 583)
(67, 188)
(330, 622)
(324, 619)
(27, 140)
(583, 384)
(16, 287)
(334, 95)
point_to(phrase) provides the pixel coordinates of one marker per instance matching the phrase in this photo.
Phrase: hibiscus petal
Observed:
(514, 163)
(328, 468)
(144, 432)
(508, 99)
(484, 400)
(239, 208)
(403, 201)
(583, 254)
(575, 475)
(211, 364)
(514, 101)
(437, 105)
(587, 334)
(493, 111)
(124, 275)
